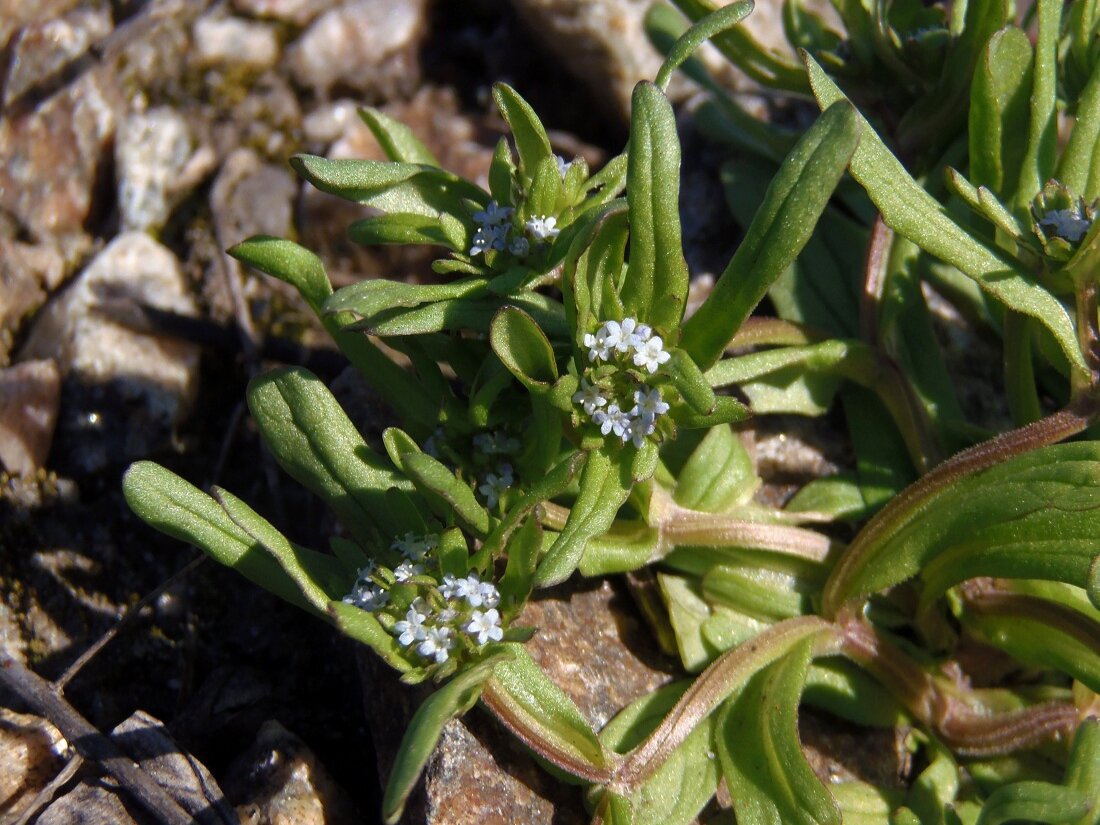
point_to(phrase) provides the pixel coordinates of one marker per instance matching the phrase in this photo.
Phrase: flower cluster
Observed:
(496, 232)
(441, 615)
(629, 338)
(620, 404)
(434, 625)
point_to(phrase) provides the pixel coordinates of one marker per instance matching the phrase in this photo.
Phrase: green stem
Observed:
(1019, 372)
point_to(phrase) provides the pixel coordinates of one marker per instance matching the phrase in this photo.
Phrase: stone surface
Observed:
(54, 154)
(251, 197)
(279, 781)
(295, 12)
(366, 45)
(156, 163)
(592, 644)
(99, 358)
(30, 394)
(31, 752)
(42, 50)
(231, 41)
(601, 44)
(27, 273)
(144, 739)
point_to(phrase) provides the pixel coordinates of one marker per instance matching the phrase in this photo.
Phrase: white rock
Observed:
(296, 12)
(158, 374)
(156, 164)
(30, 394)
(229, 41)
(345, 44)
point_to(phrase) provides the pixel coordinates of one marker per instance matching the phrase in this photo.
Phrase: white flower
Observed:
(447, 615)
(367, 596)
(589, 397)
(495, 484)
(490, 596)
(473, 592)
(541, 227)
(452, 588)
(1066, 224)
(637, 431)
(651, 354)
(613, 333)
(485, 626)
(489, 237)
(494, 215)
(599, 347)
(436, 644)
(406, 570)
(612, 420)
(364, 573)
(628, 335)
(519, 246)
(563, 165)
(648, 404)
(411, 628)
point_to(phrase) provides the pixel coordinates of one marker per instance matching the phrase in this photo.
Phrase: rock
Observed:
(42, 50)
(149, 51)
(251, 197)
(31, 751)
(27, 273)
(600, 43)
(55, 153)
(367, 45)
(592, 644)
(156, 163)
(294, 12)
(14, 14)
(231, 41)
(125, 391)
(281, 782)
(30, 394)
(144, 739)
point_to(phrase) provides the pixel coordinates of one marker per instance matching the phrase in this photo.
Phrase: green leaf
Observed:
(687, 43)
(838, 497)
(1039, 632)
(531, 141)
(452, 700)
(522, 347)
(1079, 166)
(1035, 516)
(364, 627)
(454, 496)
(625, 547)
(396, 139)
(1042, 136)
(409, 229)
(523, 553)
(1034, 802)
(841, 688)
(767, 595)
(762, 761)
(605, 483)
(1083, 770)
(718, 475)
(690, 381)
(740, 48)
(686, 781)
(655, 289)
(935, 788)
(320, 578)
(909, 210)
(177, 508)
(726, 411)
(999, 112)
(545, 191)
(314, 441)
(592, 271)
(524, 699)
(391, 187)
(370, 298)
(303, 270)
(781, 228)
